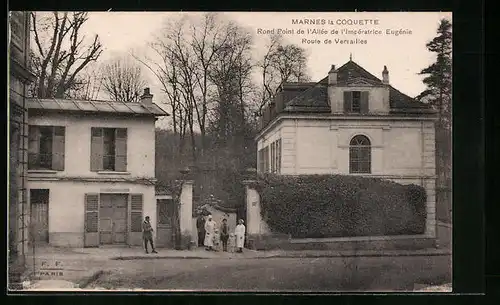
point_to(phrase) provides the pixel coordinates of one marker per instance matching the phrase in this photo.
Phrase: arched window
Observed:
(359, 155)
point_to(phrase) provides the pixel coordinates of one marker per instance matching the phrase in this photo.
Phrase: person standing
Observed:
(147, 235)
(239, 232)
(200, 226)
(209, 233)
(224, 234)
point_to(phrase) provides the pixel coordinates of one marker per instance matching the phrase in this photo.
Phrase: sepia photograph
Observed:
(229, 152)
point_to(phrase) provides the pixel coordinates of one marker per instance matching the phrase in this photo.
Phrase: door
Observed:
(39, 203)
(165, 229)
(113, 219)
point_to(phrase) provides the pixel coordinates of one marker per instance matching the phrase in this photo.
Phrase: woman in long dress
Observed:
(209, 233)
(239, 232)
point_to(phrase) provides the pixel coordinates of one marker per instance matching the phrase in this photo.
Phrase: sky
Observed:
(397, 39)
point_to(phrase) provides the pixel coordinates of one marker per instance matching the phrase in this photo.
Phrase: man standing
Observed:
(147, 235)
(224, 234)
(239, 232)
(209, 233)
(200, 226)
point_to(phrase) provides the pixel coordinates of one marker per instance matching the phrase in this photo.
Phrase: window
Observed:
(356, 101)
(46, 147)
(278, 156)
(18, 28)
(108, 149)
(261, 160)
(273, 159)
(266, 159)
(360, 155)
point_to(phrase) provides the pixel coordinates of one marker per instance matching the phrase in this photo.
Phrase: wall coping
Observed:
(357, 238)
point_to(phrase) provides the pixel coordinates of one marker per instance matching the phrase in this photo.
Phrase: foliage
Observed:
(438, 79)
(336, 205)
(438, 74)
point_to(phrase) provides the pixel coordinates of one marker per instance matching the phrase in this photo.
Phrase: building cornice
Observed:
(51, 177)
(339, 117)
(21, 71)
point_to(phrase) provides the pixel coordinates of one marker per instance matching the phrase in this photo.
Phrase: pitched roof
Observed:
(315, 99)
(95, 106)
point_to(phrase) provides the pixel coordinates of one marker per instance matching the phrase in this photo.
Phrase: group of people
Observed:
(209, 234)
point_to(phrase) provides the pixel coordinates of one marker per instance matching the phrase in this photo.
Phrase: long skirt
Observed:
(209, 240)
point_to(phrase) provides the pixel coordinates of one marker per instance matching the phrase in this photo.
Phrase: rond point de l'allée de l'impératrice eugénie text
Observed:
(340, 27)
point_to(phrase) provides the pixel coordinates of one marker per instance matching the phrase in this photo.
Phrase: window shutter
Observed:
(33, 145)
(96, 149)
(121, 150)
(347, 101)
(58, 148)
(364, 102)
(91, 238)
(136, 213)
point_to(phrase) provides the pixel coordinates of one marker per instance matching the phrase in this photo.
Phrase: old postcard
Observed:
(230, 151)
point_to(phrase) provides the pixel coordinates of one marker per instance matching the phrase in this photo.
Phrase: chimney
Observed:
(332, 76)
(147, 97)
(385, 76)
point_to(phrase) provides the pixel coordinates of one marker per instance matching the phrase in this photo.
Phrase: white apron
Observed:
(239, 233)
(209, 233)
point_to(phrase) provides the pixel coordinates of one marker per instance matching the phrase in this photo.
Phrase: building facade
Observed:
(19, 79)
(352, 123)
(91, 170)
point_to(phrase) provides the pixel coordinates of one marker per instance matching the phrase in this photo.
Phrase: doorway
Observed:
(39, 211)
(113, 219)
(165, 225)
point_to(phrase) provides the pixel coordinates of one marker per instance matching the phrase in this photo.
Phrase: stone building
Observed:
(91, 170)
(19, 78)
(352, 123)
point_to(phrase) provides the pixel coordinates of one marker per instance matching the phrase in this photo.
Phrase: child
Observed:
(216, 240)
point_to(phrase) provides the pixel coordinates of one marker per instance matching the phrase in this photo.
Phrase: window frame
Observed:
(360, 145)
(57, 147)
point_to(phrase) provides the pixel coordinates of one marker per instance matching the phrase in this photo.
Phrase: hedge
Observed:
(337, 205)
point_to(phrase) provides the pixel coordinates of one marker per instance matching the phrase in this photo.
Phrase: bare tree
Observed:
(122, 79)
(88, 85)
(59, 52)
(281, 63)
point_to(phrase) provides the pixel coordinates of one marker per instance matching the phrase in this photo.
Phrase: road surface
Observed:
(279, 274)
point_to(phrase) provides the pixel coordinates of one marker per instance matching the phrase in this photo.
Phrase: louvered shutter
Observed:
(58, 148)
(121, 150)
(91, 235)
(96, 149)
(136, 219)
(33, 146)
(364, 102)
(347, 101)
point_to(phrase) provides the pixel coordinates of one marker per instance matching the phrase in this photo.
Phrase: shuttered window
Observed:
(108, 149)
(91, 213)
(136, 203)
(46, 147)
(356, 101)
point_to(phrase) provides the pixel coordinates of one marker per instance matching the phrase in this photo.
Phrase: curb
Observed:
(357, 255)
(298, 255)
(88, 280)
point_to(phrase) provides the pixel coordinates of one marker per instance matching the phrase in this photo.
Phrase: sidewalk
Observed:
(63, 267)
